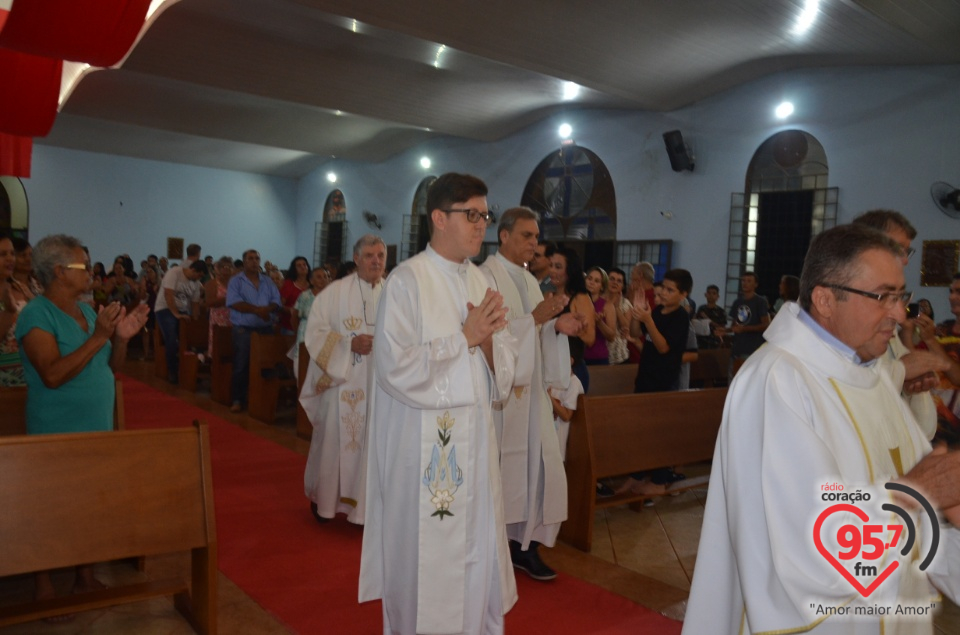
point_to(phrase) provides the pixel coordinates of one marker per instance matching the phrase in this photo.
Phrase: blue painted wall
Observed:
(123, 205)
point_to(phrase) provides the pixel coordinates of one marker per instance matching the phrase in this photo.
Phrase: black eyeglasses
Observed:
(887, 300)
(909, 251)
(473, 215)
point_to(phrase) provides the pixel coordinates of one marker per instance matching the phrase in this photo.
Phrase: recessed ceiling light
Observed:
(807, 17)
(570, 91)
(565, 131)
(332, 177)
(425, 163)
(784, 110)
(436, 60)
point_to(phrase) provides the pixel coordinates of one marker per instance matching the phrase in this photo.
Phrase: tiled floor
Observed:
(646, 556)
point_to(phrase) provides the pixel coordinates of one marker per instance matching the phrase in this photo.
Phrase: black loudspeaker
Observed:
(680, 158)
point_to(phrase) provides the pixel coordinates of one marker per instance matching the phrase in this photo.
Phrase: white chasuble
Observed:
(434, 545)
(335, 395)
(799, 417)
(531, 461)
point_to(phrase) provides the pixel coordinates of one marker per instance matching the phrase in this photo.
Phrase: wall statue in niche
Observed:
(335, 208)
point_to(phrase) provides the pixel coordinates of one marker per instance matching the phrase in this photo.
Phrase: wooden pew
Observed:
(268, 354)
(72, 499)
(159, 355)
(304, 427)
(221, 364)
(612, 380)
(194, 336)
(711, 368)
(615, 435)
(13, 405)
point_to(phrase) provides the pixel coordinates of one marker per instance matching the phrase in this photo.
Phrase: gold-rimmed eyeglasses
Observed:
(80, 266)
(887, 300)
(473, 215)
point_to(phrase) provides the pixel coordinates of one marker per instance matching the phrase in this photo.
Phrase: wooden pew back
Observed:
(13, 405)
(194, 336)
(615, 435)
(268, 353)
(711, 368)
(617, 379)
(221, 364)
(71, 499)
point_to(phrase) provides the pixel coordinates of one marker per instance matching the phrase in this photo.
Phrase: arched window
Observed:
(415, 233)
(573, 192)
(14, 209)
(785, 203)
(330, 237)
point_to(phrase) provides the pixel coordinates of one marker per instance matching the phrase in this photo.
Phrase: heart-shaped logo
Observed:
(862, 515)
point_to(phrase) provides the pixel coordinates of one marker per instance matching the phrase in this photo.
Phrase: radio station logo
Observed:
(860, 548)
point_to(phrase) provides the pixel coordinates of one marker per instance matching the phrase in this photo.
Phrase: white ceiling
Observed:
(280, 86)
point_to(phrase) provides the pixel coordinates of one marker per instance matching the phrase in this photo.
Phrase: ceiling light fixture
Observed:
(784, 110)
(565, 131)
(425, 163)
(332, 177)
(570, 91)
(440, 50)
(807, 17)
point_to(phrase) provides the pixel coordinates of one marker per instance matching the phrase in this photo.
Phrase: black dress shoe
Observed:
(316, 514)
(530, 563)
(604, 490)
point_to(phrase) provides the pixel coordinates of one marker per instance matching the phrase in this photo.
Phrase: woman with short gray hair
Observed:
(69, 353)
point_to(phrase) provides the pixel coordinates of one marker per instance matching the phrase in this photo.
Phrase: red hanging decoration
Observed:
(15, 154)
(31, 88)
(98, 32)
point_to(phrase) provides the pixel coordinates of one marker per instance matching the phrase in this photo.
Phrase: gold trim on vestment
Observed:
(325, 381)
(323, 358)
(897, 461)
(856, 427)
(803, 629)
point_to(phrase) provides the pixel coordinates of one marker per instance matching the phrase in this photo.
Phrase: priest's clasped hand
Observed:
(484, 320)
(549, 308)
(362, 344)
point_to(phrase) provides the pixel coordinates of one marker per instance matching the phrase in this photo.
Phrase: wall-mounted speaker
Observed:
(680, 157)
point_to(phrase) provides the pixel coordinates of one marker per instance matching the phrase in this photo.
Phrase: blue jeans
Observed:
(580, 370)
(240, 380)
(170, 329)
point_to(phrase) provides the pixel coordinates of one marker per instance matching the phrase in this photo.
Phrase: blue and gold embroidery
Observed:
(443, 477)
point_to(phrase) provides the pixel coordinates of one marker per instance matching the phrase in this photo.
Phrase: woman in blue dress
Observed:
(69, 353)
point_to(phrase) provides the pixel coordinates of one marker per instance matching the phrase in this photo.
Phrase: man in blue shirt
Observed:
(253, 299)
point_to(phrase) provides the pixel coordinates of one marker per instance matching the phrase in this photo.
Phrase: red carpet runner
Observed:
(306, 574)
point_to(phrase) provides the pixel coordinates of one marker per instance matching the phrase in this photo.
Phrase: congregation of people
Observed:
(440, 397)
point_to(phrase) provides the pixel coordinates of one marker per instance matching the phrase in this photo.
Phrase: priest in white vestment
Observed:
(810, 412)
(531, 460)
(434, 544)
(339, 338)
(915, 370)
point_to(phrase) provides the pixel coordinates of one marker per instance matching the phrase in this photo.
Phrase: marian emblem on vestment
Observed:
(443, 477)
(353, 323)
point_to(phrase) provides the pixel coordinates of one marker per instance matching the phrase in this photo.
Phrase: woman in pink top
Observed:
(215, 292)
(296, 281)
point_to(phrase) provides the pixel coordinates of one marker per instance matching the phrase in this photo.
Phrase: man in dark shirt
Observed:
(663, 331)
(713, 312)
(751, 317)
